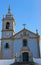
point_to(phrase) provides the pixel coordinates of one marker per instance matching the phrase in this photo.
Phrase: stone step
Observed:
(24, 63)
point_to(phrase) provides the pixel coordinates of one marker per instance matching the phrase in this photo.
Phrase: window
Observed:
(7, 45)
(7, 25)
(24, 42)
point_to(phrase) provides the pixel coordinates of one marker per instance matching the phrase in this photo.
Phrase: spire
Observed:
(9, 9)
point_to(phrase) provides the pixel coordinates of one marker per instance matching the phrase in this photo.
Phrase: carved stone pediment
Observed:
(25, 49)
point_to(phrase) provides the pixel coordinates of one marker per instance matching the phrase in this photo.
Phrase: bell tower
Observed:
(8, 24)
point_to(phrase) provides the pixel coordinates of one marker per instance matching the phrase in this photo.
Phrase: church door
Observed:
(25, 57)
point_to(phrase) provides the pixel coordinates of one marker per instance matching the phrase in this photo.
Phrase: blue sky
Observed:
(24, 11)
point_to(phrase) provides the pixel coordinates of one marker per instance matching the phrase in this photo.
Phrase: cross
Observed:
(24, 25)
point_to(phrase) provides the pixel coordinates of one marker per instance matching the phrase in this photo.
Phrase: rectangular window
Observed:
(24, 42)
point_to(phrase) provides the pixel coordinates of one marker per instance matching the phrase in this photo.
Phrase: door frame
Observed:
(25, 53)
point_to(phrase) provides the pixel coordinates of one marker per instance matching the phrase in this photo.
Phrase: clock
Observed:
(7, 34)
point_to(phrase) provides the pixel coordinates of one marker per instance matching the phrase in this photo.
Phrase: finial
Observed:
(37, 31)
(24, 25)
(9, 9)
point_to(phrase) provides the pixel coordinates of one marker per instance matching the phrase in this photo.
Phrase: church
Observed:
(21, 46)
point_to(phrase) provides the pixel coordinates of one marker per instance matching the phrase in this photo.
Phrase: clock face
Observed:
(7, 34)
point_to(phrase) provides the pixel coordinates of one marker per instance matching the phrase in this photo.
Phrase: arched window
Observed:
(7, 25)
(7, 45)
(24, 42)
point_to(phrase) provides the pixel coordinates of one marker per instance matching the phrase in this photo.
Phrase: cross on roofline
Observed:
(24, 25)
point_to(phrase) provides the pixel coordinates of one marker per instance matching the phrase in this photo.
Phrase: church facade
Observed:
(21, 46)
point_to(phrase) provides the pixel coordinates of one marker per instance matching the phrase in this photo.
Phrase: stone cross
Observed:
(24, 25)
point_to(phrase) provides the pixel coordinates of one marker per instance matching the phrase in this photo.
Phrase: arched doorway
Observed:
(25, 56)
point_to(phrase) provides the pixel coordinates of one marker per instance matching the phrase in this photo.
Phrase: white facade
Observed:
(32, 43)
(12, 45)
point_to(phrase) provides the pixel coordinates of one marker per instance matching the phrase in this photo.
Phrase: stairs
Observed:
(24, 63)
